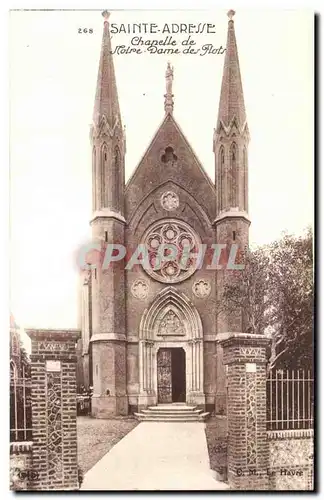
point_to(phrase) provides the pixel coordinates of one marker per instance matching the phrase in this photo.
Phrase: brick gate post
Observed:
(53, 374)
(245, 356)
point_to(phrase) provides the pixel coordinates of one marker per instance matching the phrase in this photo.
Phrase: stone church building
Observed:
(151, 335)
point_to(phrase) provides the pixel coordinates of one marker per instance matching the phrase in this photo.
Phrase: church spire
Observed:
(231, 100)
(106, 100)
(168, 97)
(231, 136)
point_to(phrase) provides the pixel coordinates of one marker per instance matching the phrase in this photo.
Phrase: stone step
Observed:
(157, 411)
(174, 405)
(155, 414)
(175, 409)
(169, 417)
(205, 415)
(175, 419)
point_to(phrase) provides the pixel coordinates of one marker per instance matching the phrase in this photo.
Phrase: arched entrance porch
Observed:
(171, 323)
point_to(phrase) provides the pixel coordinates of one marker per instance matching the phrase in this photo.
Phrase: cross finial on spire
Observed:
(168, 98)
(231, 14)
(105, 14)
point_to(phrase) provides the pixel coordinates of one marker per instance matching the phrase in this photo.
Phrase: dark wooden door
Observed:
(178, 358)
(164, 375)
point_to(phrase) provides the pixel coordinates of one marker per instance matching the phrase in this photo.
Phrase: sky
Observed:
(53, 73)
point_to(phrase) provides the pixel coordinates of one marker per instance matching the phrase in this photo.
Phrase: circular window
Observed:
(172, 248)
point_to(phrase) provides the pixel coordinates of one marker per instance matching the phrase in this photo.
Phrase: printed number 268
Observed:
(85, 30)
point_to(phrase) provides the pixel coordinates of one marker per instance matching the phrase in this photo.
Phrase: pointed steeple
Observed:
(106, 100)
(107, 136)
(168, 97)
(231, 99)
(231, 137)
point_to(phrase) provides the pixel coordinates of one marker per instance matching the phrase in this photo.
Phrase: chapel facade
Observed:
(151, 335)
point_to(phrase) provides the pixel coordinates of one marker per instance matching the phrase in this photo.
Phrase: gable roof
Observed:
(166, 120)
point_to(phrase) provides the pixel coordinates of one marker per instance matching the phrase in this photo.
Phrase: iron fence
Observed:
(290, 399)
(20, 404)
(84, 404)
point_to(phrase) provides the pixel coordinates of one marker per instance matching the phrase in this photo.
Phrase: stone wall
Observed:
(21, 473)
(291, 459)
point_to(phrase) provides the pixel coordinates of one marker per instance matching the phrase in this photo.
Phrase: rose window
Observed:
(172, 246)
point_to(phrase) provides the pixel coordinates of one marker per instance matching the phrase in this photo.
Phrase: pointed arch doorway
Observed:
(171, 351)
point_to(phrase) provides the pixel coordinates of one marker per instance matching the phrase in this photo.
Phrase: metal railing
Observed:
(290, 400)
(83, 404)
(20, 404)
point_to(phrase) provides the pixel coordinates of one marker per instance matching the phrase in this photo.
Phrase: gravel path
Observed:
(97, 436)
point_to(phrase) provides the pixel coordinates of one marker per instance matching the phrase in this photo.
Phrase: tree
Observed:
(274, 294)
(245, 291)
(291, 290)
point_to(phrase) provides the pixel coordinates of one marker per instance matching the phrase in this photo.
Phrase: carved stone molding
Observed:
(201, 289)
(53, 346)
(250, 351)
(169, 200)
(195, 341)
(170, 314)
(140, 289)
(171, 324)
(148, 342)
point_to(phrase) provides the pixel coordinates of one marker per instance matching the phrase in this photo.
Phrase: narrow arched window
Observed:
(233, 176)
(117, 178)
(221, 177)
(14, 345)
(94, 180)
(13, 369)
(103, 174)
(245, 180)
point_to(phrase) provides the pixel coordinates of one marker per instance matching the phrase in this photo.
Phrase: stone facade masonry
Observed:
(21, 466)
(291, 460)
(169, 188)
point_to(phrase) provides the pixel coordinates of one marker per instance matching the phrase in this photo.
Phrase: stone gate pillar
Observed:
(53, 374)
(246, 356)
